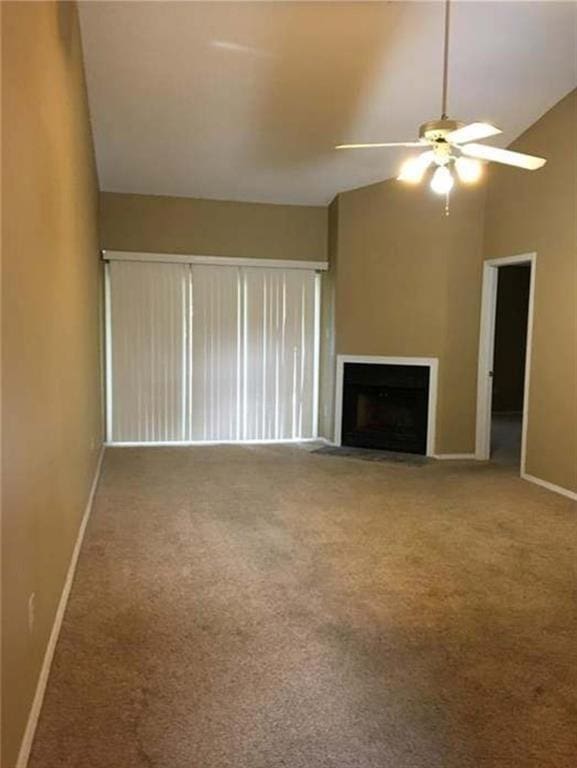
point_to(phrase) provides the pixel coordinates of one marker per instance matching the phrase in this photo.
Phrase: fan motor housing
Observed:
(436, 130)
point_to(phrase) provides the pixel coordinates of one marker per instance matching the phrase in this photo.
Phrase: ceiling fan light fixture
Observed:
(452, 143)
(468, 170)
(442, 181)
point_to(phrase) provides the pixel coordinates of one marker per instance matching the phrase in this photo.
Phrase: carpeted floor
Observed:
(268, 607)
(506, 435)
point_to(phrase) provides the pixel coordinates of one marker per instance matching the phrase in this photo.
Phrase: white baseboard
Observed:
(455, 456)
(550, 486)
(28, 737)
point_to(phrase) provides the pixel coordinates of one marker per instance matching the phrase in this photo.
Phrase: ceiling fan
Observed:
(452, 143)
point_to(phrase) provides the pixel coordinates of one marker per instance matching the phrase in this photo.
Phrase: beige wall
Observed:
(50, 333)
(529, 212)
(405, 271)
(212, 227)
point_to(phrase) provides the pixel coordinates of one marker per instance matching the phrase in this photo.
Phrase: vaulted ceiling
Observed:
(245, 100)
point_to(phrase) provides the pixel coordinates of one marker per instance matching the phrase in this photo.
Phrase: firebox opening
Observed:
(385, 406)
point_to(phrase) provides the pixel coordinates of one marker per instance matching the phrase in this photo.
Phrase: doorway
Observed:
(504, 360)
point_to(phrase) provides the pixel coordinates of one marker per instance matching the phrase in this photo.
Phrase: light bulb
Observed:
(442, 181)
(468, 170)
(413, 169)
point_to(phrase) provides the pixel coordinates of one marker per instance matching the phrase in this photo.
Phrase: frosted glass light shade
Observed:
(413, 169)
(468, 170)
(442, 181)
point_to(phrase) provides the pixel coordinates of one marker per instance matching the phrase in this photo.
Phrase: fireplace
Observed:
(385, 406)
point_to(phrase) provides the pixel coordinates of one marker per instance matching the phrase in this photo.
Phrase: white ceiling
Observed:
(245, 100)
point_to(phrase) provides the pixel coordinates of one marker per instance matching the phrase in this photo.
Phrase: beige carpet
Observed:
(259, 607)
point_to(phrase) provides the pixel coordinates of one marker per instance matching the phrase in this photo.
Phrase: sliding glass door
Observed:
(202, 352)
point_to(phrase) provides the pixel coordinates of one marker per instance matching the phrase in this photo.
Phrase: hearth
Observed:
(385, 406)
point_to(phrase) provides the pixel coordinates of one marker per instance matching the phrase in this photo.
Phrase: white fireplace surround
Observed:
(431, 362)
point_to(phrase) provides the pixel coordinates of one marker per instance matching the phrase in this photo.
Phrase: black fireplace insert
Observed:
(386, 406)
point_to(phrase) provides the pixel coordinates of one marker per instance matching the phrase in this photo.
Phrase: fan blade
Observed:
(505, 156)
(472, 132)
(386, 144)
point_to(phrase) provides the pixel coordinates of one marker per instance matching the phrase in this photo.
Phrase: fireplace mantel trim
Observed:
(431, 362)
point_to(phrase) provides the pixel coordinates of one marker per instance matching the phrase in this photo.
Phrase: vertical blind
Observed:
(211, 353)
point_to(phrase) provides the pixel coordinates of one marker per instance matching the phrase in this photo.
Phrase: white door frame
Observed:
(431, 362)
(487, 348)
